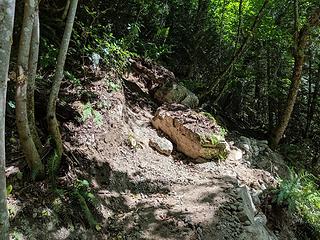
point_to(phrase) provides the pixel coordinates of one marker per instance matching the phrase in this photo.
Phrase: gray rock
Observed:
(242, 216)
(255, 197)
(260, 218)
(235, 154)
(255, 223)
(244, 140)
(246, 147)
(248, 205)
(247, 223)
(176, 93)
(233, 208)
(162, 145)
(257, 232)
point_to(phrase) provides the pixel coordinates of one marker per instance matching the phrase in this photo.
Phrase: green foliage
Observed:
(214, 139)
(72, 78)
(112, 86)
(82, 193)
(88, 112)
(194, 85)
(48, 54)
(98, 44)
(302, 195)
(155, 51)
(209, 116)
(17, 236)
(83, 187)
(223, 132)
(53, 167)
(9, 189)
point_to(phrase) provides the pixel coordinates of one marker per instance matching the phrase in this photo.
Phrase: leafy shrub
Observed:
(72, 78)
(113, 87)
(82, 193)
(302, 195)
(97, 44)
(49, 53)
(88, 112)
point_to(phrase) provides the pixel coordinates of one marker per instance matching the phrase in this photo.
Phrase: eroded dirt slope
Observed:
(140, 193)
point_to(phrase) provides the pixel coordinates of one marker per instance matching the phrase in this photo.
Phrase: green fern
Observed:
(87, 112)
(53, 167)
(83, 195)
(302, 195)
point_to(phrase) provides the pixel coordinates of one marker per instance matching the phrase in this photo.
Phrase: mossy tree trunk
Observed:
(27, 143)
(302, 38)
(7, 8)
(53, 124)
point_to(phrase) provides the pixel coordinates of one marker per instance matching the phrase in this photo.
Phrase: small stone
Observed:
(235, 154)
(242, 216)
(162, 145)
(263, 187)
(256, 199)
(260, 218)
(247, 223)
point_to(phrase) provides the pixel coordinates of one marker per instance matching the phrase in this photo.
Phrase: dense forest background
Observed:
(255, 65)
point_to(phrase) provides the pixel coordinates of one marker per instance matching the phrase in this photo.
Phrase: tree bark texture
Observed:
(33, 64)
(53, 125)
(7, 8)
(28, 146)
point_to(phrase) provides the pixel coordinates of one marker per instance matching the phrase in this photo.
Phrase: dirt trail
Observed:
(152, 196)
(143, 194)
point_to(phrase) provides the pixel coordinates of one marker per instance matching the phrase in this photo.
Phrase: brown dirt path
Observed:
(141, 194)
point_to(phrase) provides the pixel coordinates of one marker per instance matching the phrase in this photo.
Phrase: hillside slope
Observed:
(140, 193)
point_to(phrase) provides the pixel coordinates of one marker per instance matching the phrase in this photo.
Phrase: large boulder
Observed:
(149, 78)
(176, 93)
(147, 75)
(194, 134)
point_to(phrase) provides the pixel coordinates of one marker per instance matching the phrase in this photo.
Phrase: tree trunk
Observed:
(53, 125)
(239, 25)
(313, 105)
(258, 85)
(299, 57)
(28, 146)
(270, 100)
(221, 33)
(33, 63)
(7, 8)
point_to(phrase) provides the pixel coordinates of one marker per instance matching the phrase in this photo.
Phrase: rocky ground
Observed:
(142, 187)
